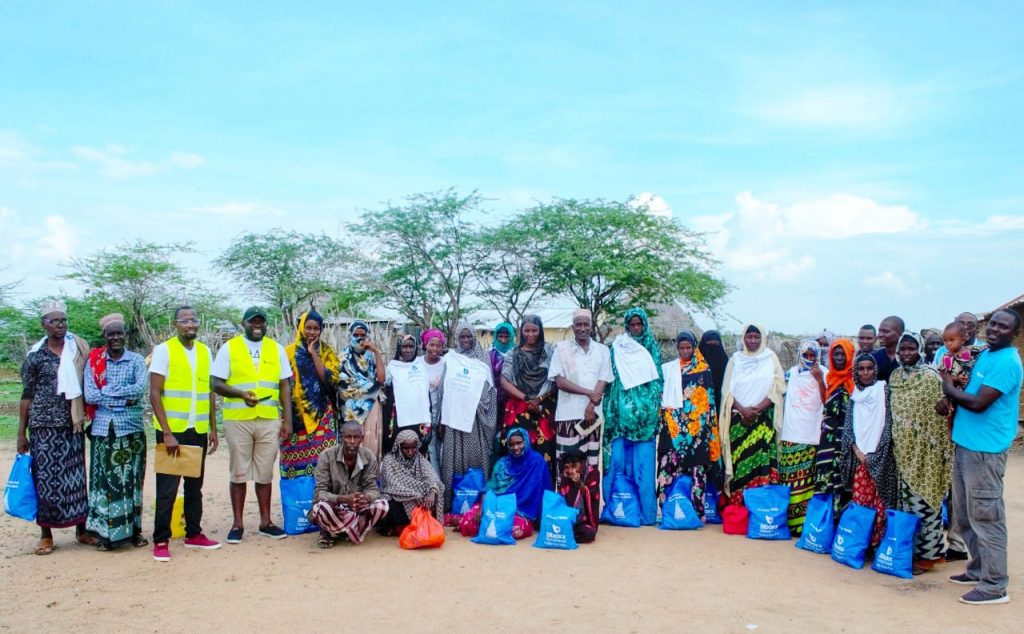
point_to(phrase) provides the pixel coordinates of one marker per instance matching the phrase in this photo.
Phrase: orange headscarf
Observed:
(844, 377)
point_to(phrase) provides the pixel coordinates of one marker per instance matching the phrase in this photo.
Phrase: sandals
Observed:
(45, 546)
(325, 541)
(138, 541)
(87, 539)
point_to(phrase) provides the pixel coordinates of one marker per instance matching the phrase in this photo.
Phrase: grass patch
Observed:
(10, 394)
(8, 427)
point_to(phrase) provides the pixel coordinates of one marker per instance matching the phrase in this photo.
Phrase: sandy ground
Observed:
(631, 580)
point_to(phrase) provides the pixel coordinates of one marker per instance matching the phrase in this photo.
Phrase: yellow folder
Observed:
(188, 462)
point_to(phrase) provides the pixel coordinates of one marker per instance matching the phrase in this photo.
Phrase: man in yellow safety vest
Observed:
(184, 413)
(252, 373)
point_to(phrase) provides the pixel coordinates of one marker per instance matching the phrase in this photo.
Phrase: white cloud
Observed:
(886, 280)
(999, 223)
(187, 160)
(58, 240)
(767, 240)
(113, 161)
(656, 205)
(845, 107)
(237, 209)
(16, 153)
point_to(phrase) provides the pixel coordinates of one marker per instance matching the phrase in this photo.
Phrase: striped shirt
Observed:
(126, 380)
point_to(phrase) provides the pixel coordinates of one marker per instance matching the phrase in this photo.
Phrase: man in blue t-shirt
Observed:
(983, 429)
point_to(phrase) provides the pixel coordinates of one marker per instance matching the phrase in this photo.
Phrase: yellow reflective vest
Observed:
(265, 381)
(182, 387)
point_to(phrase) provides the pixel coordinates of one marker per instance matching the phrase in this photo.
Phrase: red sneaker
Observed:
(201, 541)
(162, 551)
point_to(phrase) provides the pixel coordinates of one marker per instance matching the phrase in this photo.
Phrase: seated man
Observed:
(581, 487)
(523, 472)
(408, 481)
(346, 497)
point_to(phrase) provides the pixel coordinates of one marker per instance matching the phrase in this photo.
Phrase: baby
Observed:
(958, 360)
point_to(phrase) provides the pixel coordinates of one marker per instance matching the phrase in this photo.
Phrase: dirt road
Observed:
(631, 580)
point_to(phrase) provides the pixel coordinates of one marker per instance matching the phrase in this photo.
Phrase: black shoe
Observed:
(235, 535)
(272, 532)
(956, 555)
(963, 580)
(977, 597)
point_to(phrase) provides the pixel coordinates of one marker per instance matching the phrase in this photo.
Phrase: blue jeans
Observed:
(636, 460)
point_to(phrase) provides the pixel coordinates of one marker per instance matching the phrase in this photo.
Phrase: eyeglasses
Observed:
(187, 322)
(57, 322)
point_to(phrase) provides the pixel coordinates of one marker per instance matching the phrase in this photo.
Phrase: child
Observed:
(958, 360)
(579, 487)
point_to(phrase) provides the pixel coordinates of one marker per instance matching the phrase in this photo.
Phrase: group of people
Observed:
(891, 422)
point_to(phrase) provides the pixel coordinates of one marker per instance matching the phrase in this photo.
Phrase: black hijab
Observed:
(530, 366)
(716, 357)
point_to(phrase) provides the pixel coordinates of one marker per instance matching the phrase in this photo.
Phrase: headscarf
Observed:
(527, 477)
(837, 378)
(530, 367)
(716, 357)
(312, 399)
(504, 348)
(409, 480)
(110, 320)
(686, 335)
(807, 345)
(916, 338)
(646, 338)
(358, 378)
(398, 347)
(432, 333)
(865, 403)
(474, 351)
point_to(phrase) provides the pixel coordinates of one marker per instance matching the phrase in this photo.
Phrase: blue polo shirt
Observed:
(993, 430)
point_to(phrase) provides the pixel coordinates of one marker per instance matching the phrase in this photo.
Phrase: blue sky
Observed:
(849, 160)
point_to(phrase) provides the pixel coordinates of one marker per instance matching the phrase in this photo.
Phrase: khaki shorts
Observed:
(252, 449)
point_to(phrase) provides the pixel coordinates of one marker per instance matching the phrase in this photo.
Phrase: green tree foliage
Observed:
(422, 256)
(285, 269)
(140, 279)
(610, 255)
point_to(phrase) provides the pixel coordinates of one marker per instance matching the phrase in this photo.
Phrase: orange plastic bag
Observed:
(423, 531)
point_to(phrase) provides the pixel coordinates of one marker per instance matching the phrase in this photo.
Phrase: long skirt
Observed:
(636, 460)
(58, 468)
(866, 494)
(796, 469)
(540, 426)
(340, 518)
(928, 544)
(567, 438)
(463, 450)
(828, 477)
(118, 468)
(301, 451)
(755, 459)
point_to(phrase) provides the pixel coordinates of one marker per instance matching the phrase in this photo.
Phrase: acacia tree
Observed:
(141, 279)
(609, 255)
(285, 269)
(422, 256)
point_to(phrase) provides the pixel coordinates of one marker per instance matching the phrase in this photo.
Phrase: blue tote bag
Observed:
(20, 491)
(711, 514)
(853, 535)
(895, 555)
(496, 520)
(466, 490)
(556, 524)
(677, 513)
(296, 503)
(819, 525)
(767, 506)
(623, 508)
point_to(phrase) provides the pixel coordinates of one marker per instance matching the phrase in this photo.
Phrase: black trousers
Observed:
(167, 491)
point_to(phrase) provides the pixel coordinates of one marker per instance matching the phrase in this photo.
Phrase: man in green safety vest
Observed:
(252, 373)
